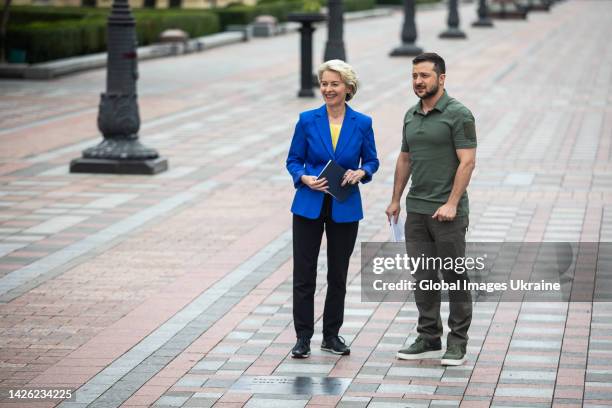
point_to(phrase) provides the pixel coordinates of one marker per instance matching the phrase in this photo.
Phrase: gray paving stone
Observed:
(373, 370)
(199, 403)
(527, 377)
(397, 403)
(595, 377)
(450, 390)
(540, 392)
(515, 404)
(536, 344)
(250, 350)
(415, 372)
(275, 403)
(218, 383)
(590, 394)
(236, 365)
(513, 358)
(304, 368)
(407, 388)
(239, 335)
(171, 401)
(443, 403)
(362, 387)
(190, 381)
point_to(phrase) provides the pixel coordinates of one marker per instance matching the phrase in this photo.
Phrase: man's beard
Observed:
(430, 93)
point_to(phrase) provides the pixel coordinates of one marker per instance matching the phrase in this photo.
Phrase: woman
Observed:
(332, 132)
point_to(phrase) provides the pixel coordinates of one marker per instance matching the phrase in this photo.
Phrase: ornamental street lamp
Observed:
(409, 34)
(483, 15)
(334, 49)
(120, 152)
(307, 19)
(453, 30)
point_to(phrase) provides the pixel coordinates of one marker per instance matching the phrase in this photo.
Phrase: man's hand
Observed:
(393, 211)
(447, 212)
(315, 183)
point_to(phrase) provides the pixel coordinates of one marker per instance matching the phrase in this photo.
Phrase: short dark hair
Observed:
(438, 61)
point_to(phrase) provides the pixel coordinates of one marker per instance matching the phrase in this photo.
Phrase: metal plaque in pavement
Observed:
(292, 385)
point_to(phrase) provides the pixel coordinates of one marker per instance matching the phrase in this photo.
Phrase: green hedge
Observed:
(83, 31)
(45, 41)
(401, 2)
(278, 8)
(47, 33)
(357, 5)
(150, 23)
(246, 14)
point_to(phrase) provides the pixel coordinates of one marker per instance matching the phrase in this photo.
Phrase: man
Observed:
(439, 152)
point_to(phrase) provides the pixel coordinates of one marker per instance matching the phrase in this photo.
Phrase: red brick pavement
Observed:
(67, 329)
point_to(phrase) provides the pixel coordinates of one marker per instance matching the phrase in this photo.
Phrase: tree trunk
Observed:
(3, 26)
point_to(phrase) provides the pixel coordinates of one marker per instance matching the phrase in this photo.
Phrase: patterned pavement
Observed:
(175, 290)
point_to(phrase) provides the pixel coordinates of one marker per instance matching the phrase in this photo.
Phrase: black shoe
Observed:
(301, 348)
(336, 345)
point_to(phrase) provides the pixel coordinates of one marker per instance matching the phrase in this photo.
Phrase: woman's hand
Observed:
(315, 183)
(353, 176)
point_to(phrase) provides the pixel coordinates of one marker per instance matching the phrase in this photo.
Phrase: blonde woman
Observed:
(332, 132)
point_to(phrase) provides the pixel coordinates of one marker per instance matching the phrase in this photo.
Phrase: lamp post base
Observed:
(406, 50)
(117, 166)
(453, 33)
(484, 22)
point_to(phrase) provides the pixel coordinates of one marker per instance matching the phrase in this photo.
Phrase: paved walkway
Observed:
(175, 290)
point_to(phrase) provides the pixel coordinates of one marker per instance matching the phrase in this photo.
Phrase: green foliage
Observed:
(401, 2)
(48, 33)
(246, 14)
(357, 5)
(311, 6)
(44, 41)
(260, 2)
(150, 23)
(243, 15)
(29, 14)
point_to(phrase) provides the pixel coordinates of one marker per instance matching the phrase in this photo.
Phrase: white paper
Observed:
(397, 230)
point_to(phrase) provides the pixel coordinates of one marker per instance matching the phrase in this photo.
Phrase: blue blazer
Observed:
(311, 149)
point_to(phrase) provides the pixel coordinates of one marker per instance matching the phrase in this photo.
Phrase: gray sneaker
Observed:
(421, 349)
(454, 356)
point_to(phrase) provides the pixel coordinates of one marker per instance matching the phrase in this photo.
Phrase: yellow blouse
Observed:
(335, 133)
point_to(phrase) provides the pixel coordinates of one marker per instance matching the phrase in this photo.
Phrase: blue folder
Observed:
(333, 172)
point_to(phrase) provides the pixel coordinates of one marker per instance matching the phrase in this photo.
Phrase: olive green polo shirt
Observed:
(431, 139)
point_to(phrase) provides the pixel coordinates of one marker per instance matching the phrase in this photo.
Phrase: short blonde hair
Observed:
(346, 73)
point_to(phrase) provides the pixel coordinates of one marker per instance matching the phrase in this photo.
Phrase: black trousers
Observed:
(307, 235)
(432, 238)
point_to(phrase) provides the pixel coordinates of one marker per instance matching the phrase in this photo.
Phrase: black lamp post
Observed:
(120, 152)
(409, 33)
(334, 48)
(307, 19)
(483, 15)
(453, 30)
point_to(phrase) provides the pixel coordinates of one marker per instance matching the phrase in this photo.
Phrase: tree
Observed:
(3, 24)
